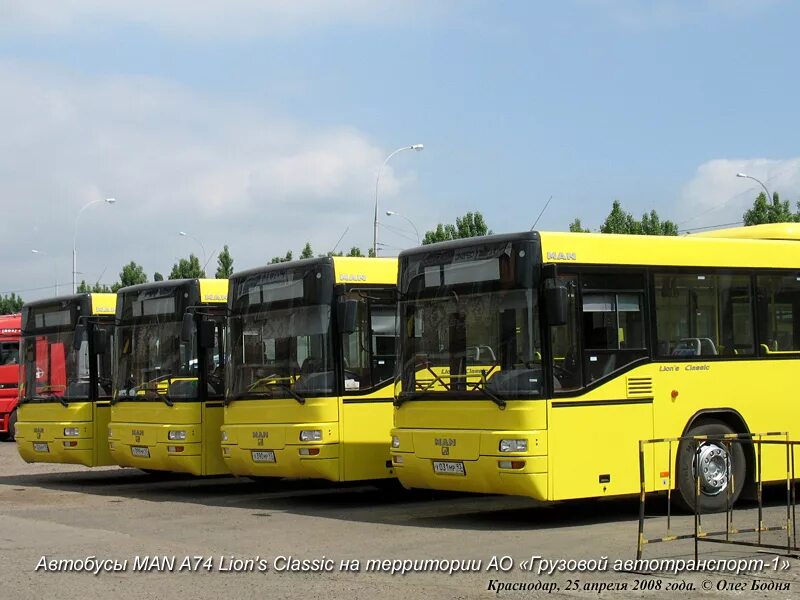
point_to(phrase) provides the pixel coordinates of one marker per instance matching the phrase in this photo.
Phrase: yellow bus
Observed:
(311, 367)
(533, 363)
(65, 380)
(168, 384)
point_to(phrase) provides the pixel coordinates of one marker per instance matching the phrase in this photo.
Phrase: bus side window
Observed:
(700, 315)
(779, 314)
(613, 322)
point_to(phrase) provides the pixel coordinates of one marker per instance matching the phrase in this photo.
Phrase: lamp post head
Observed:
(181, 233)
(742, 175)
(35, 251)
(389, 213)
(417, 147)
(110, 200)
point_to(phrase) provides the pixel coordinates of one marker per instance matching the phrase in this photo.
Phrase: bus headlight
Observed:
(311, 435)
(176, 435)
(395, 441)
(224, 436)
(71, 431)
(513, 445)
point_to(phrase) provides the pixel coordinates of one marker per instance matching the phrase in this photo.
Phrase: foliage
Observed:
(307, 251)
(277, 259)
(10, 304)
(158, 276)
(97, 288)
(187, 269)
(619, 221)
(576, 227)
(470, 225)
(776, 211)
(132, 274)
(224, 264)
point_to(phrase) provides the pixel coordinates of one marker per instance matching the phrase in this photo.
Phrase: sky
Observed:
(264, 124)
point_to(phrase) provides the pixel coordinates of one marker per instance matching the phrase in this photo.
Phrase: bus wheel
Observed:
(721, 468)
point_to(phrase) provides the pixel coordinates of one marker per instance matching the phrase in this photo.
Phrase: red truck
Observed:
(10, 329)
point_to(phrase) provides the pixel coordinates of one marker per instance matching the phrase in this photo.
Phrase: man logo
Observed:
(445, 451)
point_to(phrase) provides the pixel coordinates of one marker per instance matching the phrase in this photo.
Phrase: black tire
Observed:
(715, 494)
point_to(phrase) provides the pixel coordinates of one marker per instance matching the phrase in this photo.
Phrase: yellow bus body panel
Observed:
(146, 425)
(354, 447)
(45, 423)
(588, 446)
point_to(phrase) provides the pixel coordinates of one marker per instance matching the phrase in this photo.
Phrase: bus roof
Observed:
(347, 269)
(767, 231)
(97, 303)
(211, 291)
(724, 251)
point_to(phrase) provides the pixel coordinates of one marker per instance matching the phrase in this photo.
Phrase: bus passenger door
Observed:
(594, 422)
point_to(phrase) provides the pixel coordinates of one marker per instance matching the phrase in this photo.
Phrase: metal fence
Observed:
(726, 536)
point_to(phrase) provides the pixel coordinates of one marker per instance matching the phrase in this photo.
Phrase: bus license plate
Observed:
(444, 467)
(263, 456)
(41, 447)
(140, 451)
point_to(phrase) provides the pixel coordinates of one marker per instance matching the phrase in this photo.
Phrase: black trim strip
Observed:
(214, 404)
(603, 402)
(366, 400)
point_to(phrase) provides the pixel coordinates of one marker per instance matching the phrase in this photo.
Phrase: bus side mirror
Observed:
(556, 303)
(100, 341)
(187, 328)
(205, 334)
(77, 339)
(348, 311)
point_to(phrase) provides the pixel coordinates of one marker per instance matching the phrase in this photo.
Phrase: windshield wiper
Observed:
(295, 395)
(50, 398)
(496, 399)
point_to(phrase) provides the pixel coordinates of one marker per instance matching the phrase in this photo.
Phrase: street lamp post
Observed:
(761, 183)
(389, 213)
(416, 147)
(203, 248)
(55, 270)
(75, 241)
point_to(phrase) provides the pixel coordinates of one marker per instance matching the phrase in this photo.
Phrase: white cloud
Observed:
(200, 18)
(715, 195)
(175, 160)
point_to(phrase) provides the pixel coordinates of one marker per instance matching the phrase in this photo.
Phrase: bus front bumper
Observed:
(147, 446)
(517, 476)
(48, 442)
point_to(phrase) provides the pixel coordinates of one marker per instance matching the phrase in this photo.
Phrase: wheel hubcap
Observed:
(714, 467)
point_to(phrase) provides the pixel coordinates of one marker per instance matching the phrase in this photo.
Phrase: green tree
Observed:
(776, 211)
(277, 259)
(132, 274)
(355, 251)
(576, 227)
(470, 225)
(224, 264)
(97, 288)
(187, 269)
(10, 304)
(307, 251)
(158, 276)
(620, 221)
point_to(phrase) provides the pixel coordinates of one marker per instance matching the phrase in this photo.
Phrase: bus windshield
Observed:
(470, 325)
(154, 364)
(282, 353)
(57, 371)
